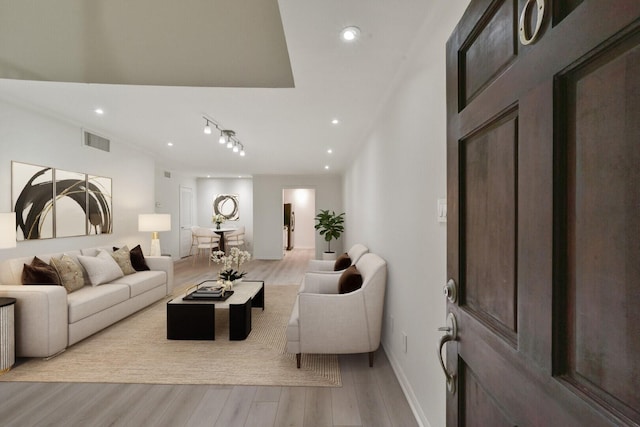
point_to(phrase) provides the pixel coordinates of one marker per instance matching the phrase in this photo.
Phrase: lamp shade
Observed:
(8, 230)
(154, 222)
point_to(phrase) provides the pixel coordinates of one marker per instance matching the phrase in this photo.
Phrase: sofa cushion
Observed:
(70, 272)
(123, 258)
(142, 281)
(39, 272)
(91, 300)
(350, 280)
(101, 269)
(342, 262)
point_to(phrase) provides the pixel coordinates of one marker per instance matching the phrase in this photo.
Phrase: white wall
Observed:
(208, 188)
(303, 204)
(398, 176)
(268, 209)
(41, 138)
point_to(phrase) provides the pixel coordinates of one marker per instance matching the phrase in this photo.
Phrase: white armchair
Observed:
(355, 252)
(325, 321)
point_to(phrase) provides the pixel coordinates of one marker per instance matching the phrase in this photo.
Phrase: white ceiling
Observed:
(285, 130)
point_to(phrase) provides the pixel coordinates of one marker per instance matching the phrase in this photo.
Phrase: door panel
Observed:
(489, 49)
(603, 226)
(488, 164)
(480, 406)
(543, 170)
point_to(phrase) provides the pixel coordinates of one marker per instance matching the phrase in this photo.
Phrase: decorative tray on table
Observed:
(207, 293)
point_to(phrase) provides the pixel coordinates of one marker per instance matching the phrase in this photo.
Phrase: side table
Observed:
(7, 334)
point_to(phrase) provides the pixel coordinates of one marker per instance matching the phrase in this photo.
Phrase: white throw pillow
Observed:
(101, 268)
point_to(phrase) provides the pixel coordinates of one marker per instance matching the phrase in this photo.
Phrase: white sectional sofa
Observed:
(48, 319)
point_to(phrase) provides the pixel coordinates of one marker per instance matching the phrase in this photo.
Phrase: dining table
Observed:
(221, 232)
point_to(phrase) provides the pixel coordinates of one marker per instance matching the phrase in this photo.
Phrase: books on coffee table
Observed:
(209, 290)
(208, 293)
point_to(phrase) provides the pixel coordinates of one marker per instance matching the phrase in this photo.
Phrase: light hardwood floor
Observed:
(368, 396)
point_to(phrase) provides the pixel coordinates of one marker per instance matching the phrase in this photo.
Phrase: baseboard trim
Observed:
(421, 419)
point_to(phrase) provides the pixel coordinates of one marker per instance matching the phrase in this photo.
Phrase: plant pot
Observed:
(329, 256)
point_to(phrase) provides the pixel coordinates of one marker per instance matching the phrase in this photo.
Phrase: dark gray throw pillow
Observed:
(350, 280)
(39, 273)
(342, 262)
(137, 259)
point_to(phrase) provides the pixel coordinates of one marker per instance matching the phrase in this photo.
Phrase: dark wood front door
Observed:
(544, 213)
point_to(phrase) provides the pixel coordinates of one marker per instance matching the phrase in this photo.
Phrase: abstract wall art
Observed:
(32, 198)
(70, 204)
(99, 205)
(53, 202)
(227, 205)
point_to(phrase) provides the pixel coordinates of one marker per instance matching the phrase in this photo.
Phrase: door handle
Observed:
(451, 335)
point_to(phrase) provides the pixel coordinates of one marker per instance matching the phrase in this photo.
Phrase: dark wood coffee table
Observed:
(195, 319)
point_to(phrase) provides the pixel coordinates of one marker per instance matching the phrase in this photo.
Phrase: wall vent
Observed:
(167, 174)
(95, 141)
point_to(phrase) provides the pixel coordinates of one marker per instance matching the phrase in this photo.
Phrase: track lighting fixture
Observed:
(227, 136)
(207, 128)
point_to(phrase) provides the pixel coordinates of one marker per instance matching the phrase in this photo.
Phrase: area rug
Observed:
(135, 350)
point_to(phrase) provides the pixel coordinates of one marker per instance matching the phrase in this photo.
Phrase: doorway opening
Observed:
(299, 207)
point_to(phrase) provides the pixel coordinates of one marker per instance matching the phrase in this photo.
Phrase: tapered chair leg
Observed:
(371, 359)
(298, 357)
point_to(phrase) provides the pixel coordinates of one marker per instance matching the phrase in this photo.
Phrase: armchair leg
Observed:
(298, 357)
(371, 359)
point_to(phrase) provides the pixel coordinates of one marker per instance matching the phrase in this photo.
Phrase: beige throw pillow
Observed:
(69, 271)
(123, 258)
(101, 268)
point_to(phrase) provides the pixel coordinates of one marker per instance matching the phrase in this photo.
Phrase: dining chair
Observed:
(235, 238)
(205, 241)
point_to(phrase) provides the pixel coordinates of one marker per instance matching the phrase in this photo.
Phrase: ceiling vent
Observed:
(167, 174)
(96, 141)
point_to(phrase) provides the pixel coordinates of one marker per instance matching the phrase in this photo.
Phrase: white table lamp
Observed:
(8, 230)
(154, 223)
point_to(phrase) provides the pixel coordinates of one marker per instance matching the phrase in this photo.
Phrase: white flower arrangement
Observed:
(218, 218)
(231, 263)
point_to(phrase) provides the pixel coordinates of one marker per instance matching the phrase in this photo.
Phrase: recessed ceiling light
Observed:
(329, 151)
(335, 121)
(170, 144)
(327, 167)
(350, 34)
(208, 176)
(99, 111)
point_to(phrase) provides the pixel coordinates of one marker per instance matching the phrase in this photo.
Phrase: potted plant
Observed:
(230, 271)
(331, 226)
(218, 219)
